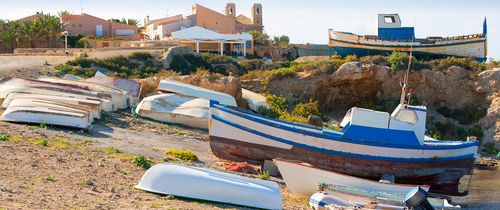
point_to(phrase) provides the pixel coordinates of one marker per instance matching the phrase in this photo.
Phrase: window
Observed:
(389, 19)
(257, 11)
(249, 44)
(407, 116)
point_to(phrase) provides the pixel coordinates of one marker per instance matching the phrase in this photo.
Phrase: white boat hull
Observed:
(195, 91)
(303, 179)
(175, 108)
(211, 185)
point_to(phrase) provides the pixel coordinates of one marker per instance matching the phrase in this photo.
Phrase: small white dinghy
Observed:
(210, 185)
(131, 86)
(38, 111)
(175, 108)
(302, 178)
(120, 98)
(195, 91)
(91, 105)
(255, 101)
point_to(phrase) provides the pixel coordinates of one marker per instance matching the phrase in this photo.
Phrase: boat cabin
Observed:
(389, 28)
(406, 125)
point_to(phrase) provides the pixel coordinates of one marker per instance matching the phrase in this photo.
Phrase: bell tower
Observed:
(231, 10)
(257, 14)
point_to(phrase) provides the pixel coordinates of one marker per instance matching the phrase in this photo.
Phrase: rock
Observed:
(168, 56)
(277, 53)
(315, 120)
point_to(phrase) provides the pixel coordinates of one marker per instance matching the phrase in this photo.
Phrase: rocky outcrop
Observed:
(355, 83)
(168, 56)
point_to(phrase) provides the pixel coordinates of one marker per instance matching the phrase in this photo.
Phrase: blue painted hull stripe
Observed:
(406, 46)
(332, 136)
(339, 153)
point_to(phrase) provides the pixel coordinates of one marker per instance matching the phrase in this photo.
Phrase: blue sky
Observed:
(302, 21)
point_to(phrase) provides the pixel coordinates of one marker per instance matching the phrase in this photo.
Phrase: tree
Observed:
(132, 22)
(52, 28)
(114, 20)
(281, 41)
(9, 33)
(32, 31)
(63, 13)
(260, 38)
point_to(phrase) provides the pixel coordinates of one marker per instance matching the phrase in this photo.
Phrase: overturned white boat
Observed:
(121, 98)
(211, 185)
(255, 101)
(302, 178)
(89, 104)
(10, 85)
(195, 91)
(175, 108)
(131, 86)
(38, 111)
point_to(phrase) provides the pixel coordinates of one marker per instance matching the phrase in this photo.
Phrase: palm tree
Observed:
(132, 22)
(52, 27)
(9, 34)
(32, 31)
(63, 13)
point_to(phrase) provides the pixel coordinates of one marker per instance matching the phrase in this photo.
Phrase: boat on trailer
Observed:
(371, 144)
(393, 37)
(211, 185)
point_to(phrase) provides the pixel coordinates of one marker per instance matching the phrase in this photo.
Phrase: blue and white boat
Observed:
(393, 37)
(371, 144)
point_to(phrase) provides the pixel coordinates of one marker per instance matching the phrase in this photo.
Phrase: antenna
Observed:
(81, 5)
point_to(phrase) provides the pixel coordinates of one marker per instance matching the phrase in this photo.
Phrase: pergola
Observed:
(199, 35)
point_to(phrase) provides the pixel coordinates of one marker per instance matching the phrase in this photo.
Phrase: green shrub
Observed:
(217, 59)
(306, 109)
(186, 64)
(141, 161)
(490, 148)
(111, 150)
(251, 65)
(43, 124)
(384, 105)
(467, 116)
(50, 178)
(82, 62)
(4, 137)
(265, 176)
(476, 131)
(43, 142)
(467, 63)
(141, 56)
(185, 155)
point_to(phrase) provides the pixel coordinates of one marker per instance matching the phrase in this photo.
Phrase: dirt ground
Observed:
(76, 170)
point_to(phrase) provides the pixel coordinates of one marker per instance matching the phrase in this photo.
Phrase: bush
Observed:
(185, 155)
(490, 148)
(141, 56)
(306, 109)
(398, 61)
(265, 176)
(111, 150)
(251, 65)
(467, 116)
(186, 64)
(476, 131)
(43, 142)
(141, 161)
(384, 105)
(467, 63)
(4, 137)
(43, 124)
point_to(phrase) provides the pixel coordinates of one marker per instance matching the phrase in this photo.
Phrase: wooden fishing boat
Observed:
(38, 111)
(175, 108)
(254, 100)
(371, 144)
(131, 86)
(210, 185)
(120, 98)
(392, 37)
(303, 178)
(195, 91)
(10, 85)
(91, 105)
